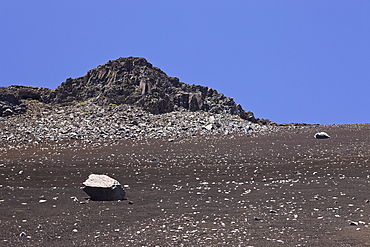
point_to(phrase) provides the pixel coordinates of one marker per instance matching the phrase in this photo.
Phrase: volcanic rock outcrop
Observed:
(11, 98)
(131, 81)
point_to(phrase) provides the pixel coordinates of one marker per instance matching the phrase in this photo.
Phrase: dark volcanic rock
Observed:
(131, 81)
(11, 98)
(135, 81)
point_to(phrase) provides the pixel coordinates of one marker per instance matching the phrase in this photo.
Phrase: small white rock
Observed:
(321, 135)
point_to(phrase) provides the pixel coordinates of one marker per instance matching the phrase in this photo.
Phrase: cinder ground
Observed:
(277, 189)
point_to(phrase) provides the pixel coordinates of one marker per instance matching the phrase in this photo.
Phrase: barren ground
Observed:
(279, 189)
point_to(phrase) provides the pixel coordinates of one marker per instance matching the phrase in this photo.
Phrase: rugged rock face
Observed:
(131, 81)
(11, 98)
(135, 81)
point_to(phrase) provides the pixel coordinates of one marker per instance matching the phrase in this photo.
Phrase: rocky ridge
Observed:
(132, 81)
(125, 99)
(94, 124)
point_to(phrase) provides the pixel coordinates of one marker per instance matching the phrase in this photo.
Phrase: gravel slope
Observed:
(253, 187)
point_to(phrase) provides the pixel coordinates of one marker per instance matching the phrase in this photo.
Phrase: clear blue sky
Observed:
(288, 61)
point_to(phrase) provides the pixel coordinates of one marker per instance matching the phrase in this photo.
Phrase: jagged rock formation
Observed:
(11, 98)
(135, 81)
(131, 81)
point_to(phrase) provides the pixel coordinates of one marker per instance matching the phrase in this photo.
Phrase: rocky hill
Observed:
(131, 81)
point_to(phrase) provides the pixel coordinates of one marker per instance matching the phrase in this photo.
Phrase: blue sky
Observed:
(288, 61)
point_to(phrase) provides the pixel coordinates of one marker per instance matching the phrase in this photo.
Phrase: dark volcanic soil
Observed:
(279, 189)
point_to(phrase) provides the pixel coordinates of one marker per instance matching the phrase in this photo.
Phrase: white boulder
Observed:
(103, 188)
(321, 135)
